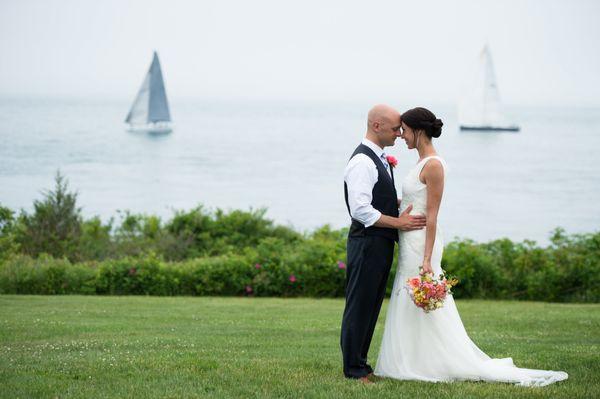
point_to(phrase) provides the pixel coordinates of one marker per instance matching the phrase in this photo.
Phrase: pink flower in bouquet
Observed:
(392, 161)
(427, 292)
(441, 290)
(292, 278)
(341, 265)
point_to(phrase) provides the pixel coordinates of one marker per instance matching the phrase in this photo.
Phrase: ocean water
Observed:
(289, 157)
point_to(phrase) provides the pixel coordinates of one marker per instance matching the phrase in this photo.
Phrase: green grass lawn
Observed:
(95, 347)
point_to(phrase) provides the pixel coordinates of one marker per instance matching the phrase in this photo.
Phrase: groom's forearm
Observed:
(389, 222)
(404, 222)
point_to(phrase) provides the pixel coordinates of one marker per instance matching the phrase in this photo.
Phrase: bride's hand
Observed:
(427, 267)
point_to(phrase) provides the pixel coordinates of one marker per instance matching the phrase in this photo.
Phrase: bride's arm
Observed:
(433, 177)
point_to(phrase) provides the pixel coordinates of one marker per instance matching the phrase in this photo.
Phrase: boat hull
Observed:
(151, 128)
(491, 128)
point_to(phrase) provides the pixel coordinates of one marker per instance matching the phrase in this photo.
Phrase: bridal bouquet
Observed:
(428, 293)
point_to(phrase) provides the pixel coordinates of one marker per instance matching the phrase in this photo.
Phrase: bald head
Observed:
(382, 114)
(383, 125)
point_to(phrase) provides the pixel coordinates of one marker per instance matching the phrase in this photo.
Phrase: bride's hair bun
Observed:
(423, 119)
(436, 128)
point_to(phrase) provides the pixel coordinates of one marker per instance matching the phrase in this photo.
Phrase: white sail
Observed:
(150, 105)
(138, 114)
(480, 105)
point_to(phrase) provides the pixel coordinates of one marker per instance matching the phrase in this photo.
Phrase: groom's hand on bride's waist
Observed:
(411, 222)
(404, 222)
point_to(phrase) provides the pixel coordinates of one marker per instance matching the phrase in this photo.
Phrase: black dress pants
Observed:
(368, 268)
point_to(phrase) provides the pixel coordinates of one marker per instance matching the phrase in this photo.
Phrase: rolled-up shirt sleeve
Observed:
(360, 177)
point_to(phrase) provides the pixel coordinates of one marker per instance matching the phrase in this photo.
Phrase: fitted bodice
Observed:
(414, 191)
(412, 242)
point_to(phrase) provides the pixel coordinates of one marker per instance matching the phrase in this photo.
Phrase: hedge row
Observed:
(566, 271)
(271, 269)
(55, 250)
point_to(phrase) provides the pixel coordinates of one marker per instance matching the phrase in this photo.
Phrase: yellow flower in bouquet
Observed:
(429, 293)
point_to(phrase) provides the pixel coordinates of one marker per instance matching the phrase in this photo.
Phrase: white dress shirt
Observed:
(360, 176)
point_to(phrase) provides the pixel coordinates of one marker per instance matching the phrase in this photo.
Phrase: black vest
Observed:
(385, 198)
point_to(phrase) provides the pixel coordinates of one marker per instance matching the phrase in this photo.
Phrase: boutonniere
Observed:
(392, 161)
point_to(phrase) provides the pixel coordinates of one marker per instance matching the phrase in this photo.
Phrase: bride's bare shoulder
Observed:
(433, 170)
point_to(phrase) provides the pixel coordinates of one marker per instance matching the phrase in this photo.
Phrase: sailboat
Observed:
(481, 109)
(150, 110)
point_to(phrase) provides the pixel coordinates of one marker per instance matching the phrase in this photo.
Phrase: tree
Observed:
(8, 244)
(55, 225)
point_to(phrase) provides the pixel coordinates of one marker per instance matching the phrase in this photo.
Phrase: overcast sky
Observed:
(545, 52)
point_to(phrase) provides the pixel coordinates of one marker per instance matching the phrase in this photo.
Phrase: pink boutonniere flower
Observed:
(392, 161)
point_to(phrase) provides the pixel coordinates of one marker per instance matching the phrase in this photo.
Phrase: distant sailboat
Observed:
(481, 108)
(150, 110)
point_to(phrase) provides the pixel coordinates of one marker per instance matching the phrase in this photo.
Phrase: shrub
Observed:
(474, 266)
(95, 241)
(220, 275)
(45, 275)
(146, 275)
(8, 243)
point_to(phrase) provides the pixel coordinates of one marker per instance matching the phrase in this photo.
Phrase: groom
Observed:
(372, 202)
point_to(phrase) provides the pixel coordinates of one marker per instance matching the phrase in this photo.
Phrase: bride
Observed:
(434, 346)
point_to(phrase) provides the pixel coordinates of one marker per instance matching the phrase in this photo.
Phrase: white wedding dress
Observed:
(435, 346)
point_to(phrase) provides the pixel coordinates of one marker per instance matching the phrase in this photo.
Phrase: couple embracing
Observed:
(416, 345)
